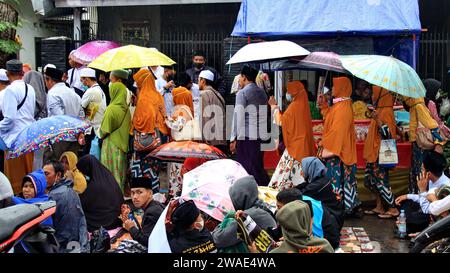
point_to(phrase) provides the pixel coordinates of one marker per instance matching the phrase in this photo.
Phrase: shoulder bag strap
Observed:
(24, 99)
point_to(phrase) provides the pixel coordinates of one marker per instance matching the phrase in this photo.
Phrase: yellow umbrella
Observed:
(130, 56)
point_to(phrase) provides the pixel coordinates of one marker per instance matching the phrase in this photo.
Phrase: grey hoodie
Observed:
(244, 195)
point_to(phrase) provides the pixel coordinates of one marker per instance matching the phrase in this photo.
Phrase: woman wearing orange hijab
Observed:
(182, 125)
(376, 178)
(338, 145)
(148, 118)
(297, 136)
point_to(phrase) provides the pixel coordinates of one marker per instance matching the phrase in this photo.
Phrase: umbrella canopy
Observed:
(316, 60)
(88, 52)
(208, 186)
(130, 56)
(45, 132)
(267, 51)
(387, 72)
(178, 151)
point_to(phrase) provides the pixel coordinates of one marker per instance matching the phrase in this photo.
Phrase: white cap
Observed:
(87, 72)
(206, 74)
(3, 76)
(49, 65)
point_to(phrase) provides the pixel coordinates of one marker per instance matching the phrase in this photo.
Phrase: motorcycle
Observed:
(434, 239)
(20, 226)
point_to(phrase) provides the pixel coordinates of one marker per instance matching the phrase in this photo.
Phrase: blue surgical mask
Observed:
(85, 87)
(88, 179)
(288, 97)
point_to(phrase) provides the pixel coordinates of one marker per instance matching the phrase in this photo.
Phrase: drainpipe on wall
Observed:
(77, 26)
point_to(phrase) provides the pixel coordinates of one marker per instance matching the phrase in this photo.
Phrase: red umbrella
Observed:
(178, 151)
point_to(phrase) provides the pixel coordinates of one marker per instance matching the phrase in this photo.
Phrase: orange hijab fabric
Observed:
(339, 136)
(182, 96)
(386, 114)
(296, 123)
(150, 105)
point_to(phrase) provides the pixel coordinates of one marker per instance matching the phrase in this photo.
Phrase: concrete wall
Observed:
(111, 19)
(31, 28)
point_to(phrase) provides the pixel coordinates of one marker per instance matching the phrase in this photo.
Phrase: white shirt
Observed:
(94, 97)
(2, 93)
(158, 72)
(62, 100)
(422, 198)
(440, 206)
(15, 121)
(196, 99)
(76, 80)
(167, 94)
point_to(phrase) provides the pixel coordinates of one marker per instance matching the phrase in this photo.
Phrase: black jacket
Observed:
(192, 241)
(322, 190)
(219, 82)
(151, 216)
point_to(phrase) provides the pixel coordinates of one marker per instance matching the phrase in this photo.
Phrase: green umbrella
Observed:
(387, 72)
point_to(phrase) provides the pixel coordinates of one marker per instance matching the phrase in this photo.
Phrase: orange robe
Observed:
(150, 108)
(339, 135)
(296, 123)
(386, 114)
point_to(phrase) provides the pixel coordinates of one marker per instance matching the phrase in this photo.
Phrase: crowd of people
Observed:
(104, 178)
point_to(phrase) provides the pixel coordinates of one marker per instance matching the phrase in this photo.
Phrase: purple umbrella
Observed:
(88, 52)
(323, 60)
(316, 60)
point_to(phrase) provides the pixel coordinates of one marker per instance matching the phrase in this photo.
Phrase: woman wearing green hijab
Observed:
(114, 132)
(295, 221)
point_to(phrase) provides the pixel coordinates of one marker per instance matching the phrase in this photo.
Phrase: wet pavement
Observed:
(381, 231)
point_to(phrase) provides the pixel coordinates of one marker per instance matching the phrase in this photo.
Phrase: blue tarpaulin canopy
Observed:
(384, 27)
(263, 18)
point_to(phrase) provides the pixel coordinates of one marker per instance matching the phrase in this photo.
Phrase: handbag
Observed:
(146, 142)
(388, 155)
(424, 138)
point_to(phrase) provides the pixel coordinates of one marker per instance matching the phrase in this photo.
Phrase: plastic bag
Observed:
(100, 241)
(445, 107)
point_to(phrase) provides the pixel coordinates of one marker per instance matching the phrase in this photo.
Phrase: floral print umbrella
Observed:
(208, 186)
(178, 151)
(45, 132)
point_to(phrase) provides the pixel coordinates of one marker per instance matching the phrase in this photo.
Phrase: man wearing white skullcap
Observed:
(74, 75)
(94, 105)
(213, 111)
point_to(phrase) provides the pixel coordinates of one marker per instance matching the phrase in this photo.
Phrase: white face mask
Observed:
(288, 97)
(199, 225)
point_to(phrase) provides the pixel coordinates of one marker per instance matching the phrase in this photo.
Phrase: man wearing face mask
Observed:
(94, 104)
(199, 65)
(189, 234)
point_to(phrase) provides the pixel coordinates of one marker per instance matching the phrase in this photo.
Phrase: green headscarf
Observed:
(295, 222)
(117, 119)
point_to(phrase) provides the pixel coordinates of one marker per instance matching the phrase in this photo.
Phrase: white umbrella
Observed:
(267, 51)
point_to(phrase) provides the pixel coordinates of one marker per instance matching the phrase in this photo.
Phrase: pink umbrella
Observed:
(208, 186)
(88, 52)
